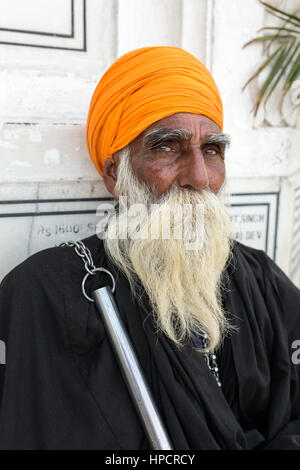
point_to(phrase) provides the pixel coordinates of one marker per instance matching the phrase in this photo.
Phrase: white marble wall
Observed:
(49, 67)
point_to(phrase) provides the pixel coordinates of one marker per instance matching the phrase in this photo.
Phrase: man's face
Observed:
(184, 148)
(182, 158)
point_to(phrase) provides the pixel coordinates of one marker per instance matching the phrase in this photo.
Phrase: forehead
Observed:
(197, 124)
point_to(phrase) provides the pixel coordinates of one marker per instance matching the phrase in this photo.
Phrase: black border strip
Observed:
(33, 214)
(276, 225)
(271, 193)
(41, 33)
(83, 49)
(268, 216)
(36, 201)
(38, 213)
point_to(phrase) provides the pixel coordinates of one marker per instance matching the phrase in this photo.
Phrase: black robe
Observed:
(61, 387)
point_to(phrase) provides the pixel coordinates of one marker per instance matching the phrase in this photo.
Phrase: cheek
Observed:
(216, 175)
(162, 174)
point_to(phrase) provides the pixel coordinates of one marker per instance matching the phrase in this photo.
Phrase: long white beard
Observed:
(184, 286)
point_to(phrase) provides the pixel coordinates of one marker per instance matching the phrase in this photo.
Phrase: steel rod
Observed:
(131, 369)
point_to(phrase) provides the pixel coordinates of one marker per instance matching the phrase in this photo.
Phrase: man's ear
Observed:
(110, 174)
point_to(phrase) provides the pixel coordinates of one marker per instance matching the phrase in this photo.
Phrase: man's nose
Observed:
(194, 172)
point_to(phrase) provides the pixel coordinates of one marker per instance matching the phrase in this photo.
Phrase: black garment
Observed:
(62, 389)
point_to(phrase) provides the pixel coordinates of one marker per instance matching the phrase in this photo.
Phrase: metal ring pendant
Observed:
(92, 272)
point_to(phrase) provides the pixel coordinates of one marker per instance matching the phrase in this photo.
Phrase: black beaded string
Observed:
(211, 360)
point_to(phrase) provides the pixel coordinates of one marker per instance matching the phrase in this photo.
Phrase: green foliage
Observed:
(284, 62)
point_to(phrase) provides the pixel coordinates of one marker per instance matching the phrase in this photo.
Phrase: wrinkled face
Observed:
(184, 148)
(181, 158)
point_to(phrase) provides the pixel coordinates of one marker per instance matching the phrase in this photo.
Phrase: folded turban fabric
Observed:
(142, 87)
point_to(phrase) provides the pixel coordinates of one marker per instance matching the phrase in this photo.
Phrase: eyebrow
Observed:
(158, 136)
(218, 138)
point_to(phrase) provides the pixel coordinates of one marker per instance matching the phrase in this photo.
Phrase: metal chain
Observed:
(86, 256)
(84, 253)
(211, 360)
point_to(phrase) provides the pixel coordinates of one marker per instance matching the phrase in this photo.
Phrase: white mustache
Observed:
(165, 220)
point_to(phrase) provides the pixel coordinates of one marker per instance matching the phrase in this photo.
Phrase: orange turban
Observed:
(140, 88)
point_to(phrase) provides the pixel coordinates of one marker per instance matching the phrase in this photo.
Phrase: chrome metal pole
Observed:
(131, 369)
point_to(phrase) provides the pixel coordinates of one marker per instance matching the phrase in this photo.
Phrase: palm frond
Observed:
(271, 76)
(281, 12)
(284, 61)
(268, 37)
(283, 67)
(294, 72)
(277, 36)
(262, 67)
(277, 28)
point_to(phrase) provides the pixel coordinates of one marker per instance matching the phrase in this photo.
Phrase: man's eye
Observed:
(212, 150)
(166, 148)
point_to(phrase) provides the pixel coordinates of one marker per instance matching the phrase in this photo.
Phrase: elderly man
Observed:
(213, 323)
